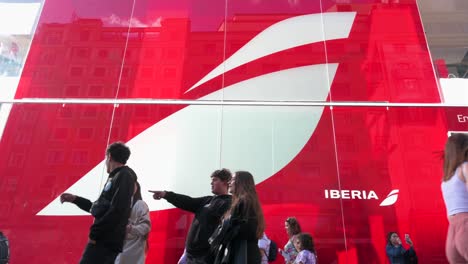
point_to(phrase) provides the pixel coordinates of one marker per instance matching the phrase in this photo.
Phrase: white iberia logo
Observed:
(391, 198)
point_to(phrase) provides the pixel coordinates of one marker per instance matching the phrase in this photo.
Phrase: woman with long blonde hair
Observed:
(455, 193)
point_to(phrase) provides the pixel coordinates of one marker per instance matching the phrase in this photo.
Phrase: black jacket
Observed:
(208, 212)
(240, 244)
(112, 209)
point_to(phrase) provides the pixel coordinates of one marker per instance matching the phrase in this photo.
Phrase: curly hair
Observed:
(294, 227)
(224, 175)
(119, 152)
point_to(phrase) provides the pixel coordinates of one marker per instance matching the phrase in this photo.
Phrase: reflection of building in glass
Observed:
(12, 53)
(447, 35)
(84, 59)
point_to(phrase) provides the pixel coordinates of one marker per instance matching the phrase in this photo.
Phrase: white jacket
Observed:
(135, 242)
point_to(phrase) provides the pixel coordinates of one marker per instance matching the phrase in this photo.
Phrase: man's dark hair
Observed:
(119, 152)
(224, 175)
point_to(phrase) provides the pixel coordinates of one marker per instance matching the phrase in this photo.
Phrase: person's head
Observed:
(242, 188)
(393, 239)
(292, 226)
(304, 241)
(220, 181)
(117, 155)
(455, 153)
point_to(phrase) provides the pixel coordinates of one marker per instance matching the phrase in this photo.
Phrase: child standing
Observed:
(305, 246)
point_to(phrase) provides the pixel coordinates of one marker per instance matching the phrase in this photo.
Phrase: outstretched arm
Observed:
(83, 203)
(181, 201)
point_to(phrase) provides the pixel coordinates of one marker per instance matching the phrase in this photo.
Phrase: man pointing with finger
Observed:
(208, 212)
(112, 209)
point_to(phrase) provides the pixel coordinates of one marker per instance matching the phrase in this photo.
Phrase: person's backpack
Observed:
(273, 251)
(4, 249)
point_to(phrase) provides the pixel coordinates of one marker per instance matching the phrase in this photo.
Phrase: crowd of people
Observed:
(229, 226)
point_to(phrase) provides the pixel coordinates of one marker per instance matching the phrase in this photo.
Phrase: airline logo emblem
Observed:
(391, 198)
(178, 138)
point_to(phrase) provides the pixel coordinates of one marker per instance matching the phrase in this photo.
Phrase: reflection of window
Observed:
(149, 53)
(210, 48)
(115, 132)
(142, 111)
(23, 137)
(85, 133)
(146, 73)
(128, 54)
(79, 157)
(95, 90)
(65, 112)
(103, 54)
(125, 72)
(151, 35)
(55, 157)
(30, 115)
(90, 111)
(54, 37)
(11, 184)
(99, 72)
(48, 58)
(171, 53)
(76, 71)
(72, 90)
(82, 53)
(16, 160)
(84, 35)
(169, 73)
(60, 133)
(134, 35)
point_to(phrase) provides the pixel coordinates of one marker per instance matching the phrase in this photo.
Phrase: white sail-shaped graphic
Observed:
(180, 152)
(287, 34)
(391, 198)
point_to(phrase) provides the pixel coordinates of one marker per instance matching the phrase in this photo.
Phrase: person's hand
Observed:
(67, 197)
(408, 240)
(90, 241)
(157, 195)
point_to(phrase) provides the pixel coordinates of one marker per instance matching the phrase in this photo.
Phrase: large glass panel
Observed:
(77, 50)
(290, 151)
(387, 171)
(174, 148)
(17, 25)
(385, 56)
(447, 34)
(50, 149)
(274, 51)
(172, 45)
